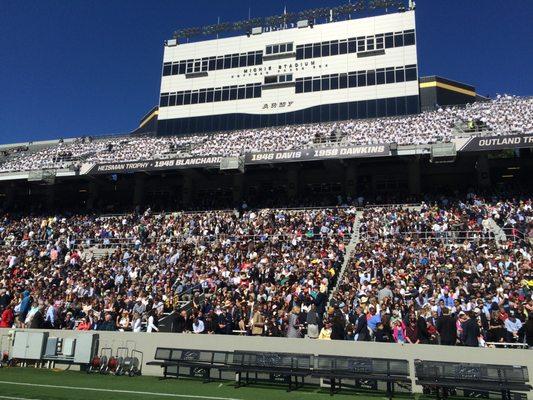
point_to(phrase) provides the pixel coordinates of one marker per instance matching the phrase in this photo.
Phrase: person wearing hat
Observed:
(512, 326)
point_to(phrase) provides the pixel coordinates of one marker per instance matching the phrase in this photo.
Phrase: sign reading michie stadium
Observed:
(378, 150)
(487, 143)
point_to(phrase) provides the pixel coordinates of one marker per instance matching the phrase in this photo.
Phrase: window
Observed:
(269, 50)
(410, 72)
(308, 51)
(257, 90)
(179, 99)
(250, 59)
(370, 78)
(389, 75)
(283, 48)
(249, 91)
(209, 95)
(194, 97)
(316, 84)
(227, 61)
(218, 94)
(380, 76)
(325, 49)
(275, 49)
(163, 102)
(299, 52)
(233, 93)
(172, 99)
(360, 44)
(299, 86)
(174, 69)
(182, 67)
(379, 42)
(167, 69)
(242, 60)
(334, 82)
(289, 46)
(225, 93)
(398, 39)
(334, 50)
(343, 47)
(201, 96)
(343, 81)
(307, 85)
(352, 80)
(234, 61)
(316, 50)
(197, 66)
(325, 82)
(389, 40)
(187, 98)
(370, 43)
(361, 78)
(409, 37)
(400, 75)
(352, 45)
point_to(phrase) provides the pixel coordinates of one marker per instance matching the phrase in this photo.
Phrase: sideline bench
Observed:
(476, 380)
(278, 366)
(198, 363)
(364, 371)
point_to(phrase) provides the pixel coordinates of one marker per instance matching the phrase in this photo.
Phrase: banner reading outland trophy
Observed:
(380, 150)
(487, 143)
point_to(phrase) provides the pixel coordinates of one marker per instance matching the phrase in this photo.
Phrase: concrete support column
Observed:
(414, 176)
(483, 171)
(93, 195)
(187, 189)
(139, 190)
(50, 194)
(293, 174)
(238, 189)
(350, 180)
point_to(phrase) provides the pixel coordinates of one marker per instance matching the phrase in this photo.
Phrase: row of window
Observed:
(210, 95)
(356, 44)
(353, 79)
(273, 79)
(213, 63)
(279, 48)
(322, 113)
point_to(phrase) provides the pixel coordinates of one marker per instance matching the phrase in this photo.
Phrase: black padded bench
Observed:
(198, 363)
(364, 371)
(476, 380)
(287, 367)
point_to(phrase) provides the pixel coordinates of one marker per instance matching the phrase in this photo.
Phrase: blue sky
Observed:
(73, 67)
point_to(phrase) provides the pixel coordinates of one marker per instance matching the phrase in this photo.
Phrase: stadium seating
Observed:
(503, 116)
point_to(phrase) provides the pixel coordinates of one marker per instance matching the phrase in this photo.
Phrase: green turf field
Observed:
(30, 383)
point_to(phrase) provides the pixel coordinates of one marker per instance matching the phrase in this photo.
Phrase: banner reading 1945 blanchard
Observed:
(379, 150)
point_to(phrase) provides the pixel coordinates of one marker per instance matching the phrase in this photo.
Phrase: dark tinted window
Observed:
(167, 68)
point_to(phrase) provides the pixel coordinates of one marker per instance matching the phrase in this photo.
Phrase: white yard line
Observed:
(16, 398)
(187, 396)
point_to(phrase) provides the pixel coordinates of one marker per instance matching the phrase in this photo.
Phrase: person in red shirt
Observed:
(7, 318)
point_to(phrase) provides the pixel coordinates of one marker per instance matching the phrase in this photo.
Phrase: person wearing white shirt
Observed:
(198, 326)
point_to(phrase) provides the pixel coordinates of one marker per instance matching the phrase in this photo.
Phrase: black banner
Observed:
(379, 150)
(155, 165)
(482, 143)
(268, 157)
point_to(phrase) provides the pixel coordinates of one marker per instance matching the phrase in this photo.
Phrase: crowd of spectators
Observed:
(503, 116)
(235, 261)
(434, 275)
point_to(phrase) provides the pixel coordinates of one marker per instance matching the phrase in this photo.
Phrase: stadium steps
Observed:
(350, 247)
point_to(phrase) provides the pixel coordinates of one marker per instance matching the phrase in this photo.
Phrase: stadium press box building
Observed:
(358, 68)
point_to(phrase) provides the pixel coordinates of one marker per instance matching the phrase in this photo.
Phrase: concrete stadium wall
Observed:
(148, 342)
